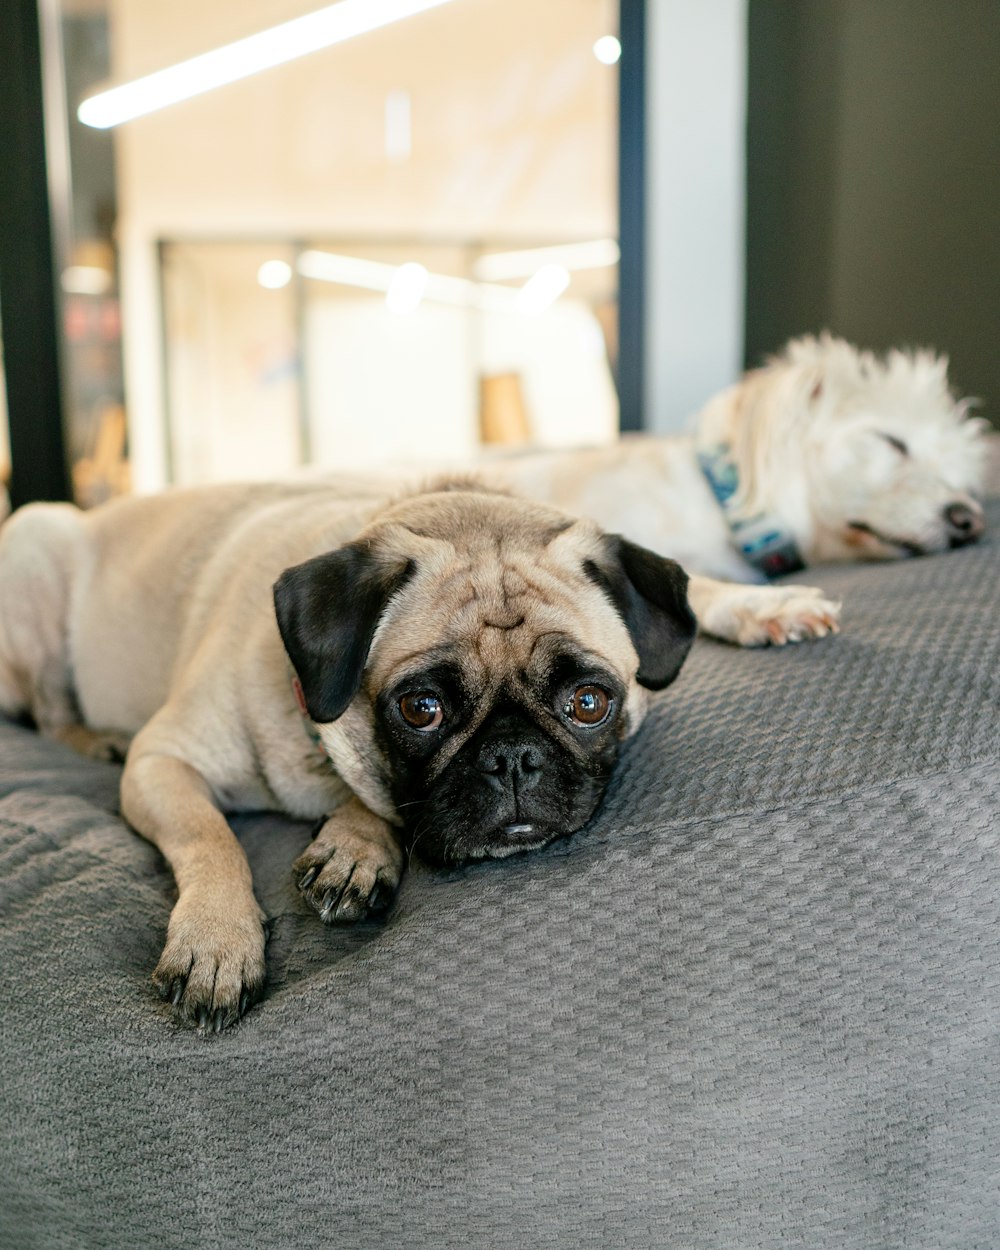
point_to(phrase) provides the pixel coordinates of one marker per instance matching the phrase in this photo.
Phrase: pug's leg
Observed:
(352, 867)
(37, 680)
(95, 744)
(753, 616)
(212, 967)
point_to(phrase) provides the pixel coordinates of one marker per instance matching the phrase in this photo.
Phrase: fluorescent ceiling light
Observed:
(608, 50)
(407, 288)
(234, 61)
(372, 275)
(542, 289)
(274, 274)
(497, 266)
(375, 275)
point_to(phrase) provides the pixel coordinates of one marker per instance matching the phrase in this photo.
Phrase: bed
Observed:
(755, 1003)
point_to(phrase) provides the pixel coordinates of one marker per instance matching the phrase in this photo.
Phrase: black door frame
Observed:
(631, 371)
(28, 305)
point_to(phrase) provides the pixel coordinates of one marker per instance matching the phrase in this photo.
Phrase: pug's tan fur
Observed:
(153, 617)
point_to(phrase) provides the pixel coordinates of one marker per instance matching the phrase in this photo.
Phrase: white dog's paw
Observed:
(758, 616)
(212, 967)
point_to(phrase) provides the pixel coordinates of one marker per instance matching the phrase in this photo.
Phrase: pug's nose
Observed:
(965, 524)
(511, 763)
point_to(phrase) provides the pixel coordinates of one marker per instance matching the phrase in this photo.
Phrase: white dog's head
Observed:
(858, 457)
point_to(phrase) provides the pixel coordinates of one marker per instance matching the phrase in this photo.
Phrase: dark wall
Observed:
(873, 178)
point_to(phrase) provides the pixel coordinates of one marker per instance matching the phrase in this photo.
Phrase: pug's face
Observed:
(474, 661)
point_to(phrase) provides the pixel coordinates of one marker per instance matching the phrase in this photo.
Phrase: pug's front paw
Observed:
(212, 967)
(352, 867)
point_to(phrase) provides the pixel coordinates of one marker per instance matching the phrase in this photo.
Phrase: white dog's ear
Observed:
(964, 411)
(650, 594)
(923, 371)
(975, 427)
(328, 610)
(930, 364)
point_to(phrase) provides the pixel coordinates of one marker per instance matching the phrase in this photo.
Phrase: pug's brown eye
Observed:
(422, 711)
(589, 706)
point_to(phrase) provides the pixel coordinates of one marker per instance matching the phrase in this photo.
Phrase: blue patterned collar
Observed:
(760, 539)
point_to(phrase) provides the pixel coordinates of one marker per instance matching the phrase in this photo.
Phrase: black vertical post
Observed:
(39, 465)
(632, 214)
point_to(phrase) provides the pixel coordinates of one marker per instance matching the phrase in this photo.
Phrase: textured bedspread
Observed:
(756, 1003)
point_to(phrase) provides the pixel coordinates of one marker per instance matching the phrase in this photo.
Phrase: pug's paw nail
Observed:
(379, 898)
(351, 907)
(328, 905)
(212, 966)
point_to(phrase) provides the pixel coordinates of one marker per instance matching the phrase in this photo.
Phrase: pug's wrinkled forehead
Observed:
(494, 578)
(499, 620)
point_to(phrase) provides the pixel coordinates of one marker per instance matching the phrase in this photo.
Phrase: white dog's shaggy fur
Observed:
(847, 455)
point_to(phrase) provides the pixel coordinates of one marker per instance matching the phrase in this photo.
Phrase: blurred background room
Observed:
(399, 231)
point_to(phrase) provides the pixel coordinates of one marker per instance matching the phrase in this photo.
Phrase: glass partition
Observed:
(347, 354)
(397, 248)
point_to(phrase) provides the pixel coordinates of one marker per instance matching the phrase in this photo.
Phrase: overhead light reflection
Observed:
(542, 289)
(608, 50)
(276, 46)
(274, 274)
(594, 254)
(407, 287)
(374, 275)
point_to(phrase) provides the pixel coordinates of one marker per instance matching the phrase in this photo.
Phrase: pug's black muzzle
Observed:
(511, 787)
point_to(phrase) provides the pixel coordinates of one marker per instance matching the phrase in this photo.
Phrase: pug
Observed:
(450, 673)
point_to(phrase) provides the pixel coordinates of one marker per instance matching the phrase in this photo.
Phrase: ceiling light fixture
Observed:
(542, 289)
(498, 266)
(371, 275)
(608, 50)
(406, 288)
(233, 61)
(274, 274)
(375, 275)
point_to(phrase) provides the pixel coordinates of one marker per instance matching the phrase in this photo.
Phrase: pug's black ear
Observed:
(650, 593)
(328, 609)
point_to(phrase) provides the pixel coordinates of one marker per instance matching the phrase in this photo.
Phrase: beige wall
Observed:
(509, 110)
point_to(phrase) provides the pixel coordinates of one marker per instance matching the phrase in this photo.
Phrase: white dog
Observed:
(825, 454)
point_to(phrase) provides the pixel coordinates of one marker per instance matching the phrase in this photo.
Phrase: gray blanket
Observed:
(756, 1003)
